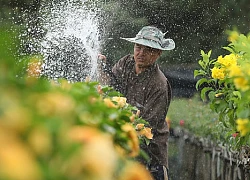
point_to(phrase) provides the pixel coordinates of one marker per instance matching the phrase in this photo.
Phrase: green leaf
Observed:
(204, 91)
(147, 141)
(200, 82)
(199, 73)
(230, 115)
(237, 94)
(222, 106)
(209, 53)
(202, 64)
(229, 49)
(222, 119)
(202, 53)
(144, 155)
(243, 113)
(211, 95)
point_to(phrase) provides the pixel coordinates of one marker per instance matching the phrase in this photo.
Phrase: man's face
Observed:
(145, 56)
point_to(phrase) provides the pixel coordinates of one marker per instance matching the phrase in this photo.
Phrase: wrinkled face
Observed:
(145, 56)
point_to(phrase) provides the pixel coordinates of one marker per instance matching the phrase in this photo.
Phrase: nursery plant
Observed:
(63, 130)
(225, 83)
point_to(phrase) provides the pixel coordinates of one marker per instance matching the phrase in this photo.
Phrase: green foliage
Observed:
(198, 118)
(54, 125)
(61, 130)
(224, 82)
(190, 24)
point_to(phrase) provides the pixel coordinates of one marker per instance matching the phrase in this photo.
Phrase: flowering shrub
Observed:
(61, 130)
(225, 82)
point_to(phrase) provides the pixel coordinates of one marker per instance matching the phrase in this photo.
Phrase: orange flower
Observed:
(16, 160)
(83, 133)
(133, 139)
(109, 103)
(99, 89)
(146, 132)
(138, 113)
(87, 79)
(97, 157)
(34, 68)
(132, 118)
(16, 118)
(40, 140)
(135, 171)
(53, 103)
(168, 122)
(121, 101)
(139, 127)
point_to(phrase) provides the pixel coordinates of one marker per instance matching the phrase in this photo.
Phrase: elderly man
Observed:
(140, 80)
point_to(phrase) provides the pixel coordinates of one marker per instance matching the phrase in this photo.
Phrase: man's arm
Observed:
(112, 75)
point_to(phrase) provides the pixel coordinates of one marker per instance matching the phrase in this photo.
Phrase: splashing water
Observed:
(70, 43)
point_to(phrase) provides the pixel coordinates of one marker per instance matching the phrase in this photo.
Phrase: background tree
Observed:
(193, 24)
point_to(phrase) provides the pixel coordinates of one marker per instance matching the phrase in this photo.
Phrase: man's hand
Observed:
(102, 57)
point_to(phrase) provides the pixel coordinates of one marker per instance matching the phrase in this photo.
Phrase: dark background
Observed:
(194, 25)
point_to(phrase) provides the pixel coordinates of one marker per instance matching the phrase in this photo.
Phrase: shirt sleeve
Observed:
(117, 80)
(156, 108)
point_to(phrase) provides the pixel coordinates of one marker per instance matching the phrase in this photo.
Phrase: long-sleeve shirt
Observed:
(150, 92)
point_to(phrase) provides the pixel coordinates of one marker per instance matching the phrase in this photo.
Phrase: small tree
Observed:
(225, 82)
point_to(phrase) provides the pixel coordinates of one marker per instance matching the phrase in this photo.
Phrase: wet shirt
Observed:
(150, 92)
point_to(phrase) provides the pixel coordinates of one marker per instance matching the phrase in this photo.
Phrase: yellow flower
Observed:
(121, 101)
(243, 126)
(228, 60)
(241, 83)
(218, 73)
(234, 70)
(220, 59)
(135, 171)
(218, 94)
(109, 103)
(233, 36)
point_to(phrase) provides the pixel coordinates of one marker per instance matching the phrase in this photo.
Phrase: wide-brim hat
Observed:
(152, 37)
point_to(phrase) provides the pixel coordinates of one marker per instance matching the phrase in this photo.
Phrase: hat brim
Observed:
(150, 43)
